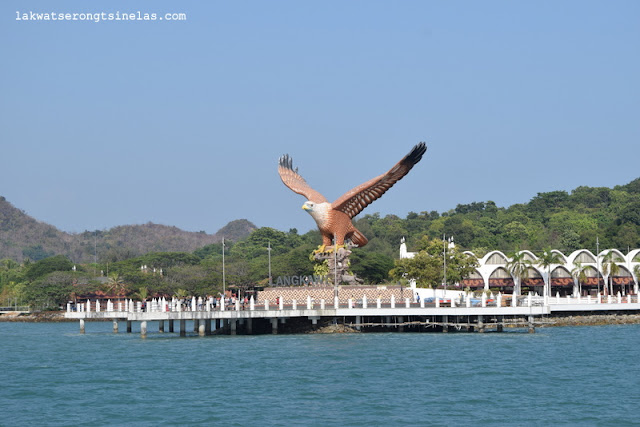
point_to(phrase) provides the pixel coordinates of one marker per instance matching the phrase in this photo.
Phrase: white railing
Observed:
(212, 304)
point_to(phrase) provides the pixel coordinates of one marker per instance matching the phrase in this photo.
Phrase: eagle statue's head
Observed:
(318, 211)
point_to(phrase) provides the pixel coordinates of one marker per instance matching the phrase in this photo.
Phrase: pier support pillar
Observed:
(183, 328)
(532, 328)
(128, 326)
(143, 328)
(207, 327)
(115, 326)
(82, 326)
(387, 320)
(201, 329)
(358, 321)
(161, 326)
(445, 323)
(196, 325)
(480, 324)
(400, 327)
(171, 326)
(274, 325)
(233, 323)
(501, 324)
(249, 326)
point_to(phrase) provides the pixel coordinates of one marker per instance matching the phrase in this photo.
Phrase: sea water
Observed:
(53, 375)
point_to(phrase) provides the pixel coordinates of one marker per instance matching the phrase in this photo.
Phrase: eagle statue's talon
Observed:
(320, 249)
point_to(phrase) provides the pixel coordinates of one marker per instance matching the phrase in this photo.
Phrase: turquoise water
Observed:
(52, 375)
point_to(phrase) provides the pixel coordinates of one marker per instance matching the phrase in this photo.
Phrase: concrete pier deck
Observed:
(472, 315)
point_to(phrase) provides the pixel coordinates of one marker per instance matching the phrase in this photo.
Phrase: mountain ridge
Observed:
(22, 237)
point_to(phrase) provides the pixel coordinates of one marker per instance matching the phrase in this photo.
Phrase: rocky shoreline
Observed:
(590, 320)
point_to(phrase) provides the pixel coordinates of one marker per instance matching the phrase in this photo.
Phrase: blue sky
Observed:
(182, 123)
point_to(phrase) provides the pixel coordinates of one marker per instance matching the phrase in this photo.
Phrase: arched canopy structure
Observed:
(534, 278)
(623, 277)
(562, 256)
(495, 257)
(583, 257)
(560, 276)
(529, 256)
(617, 255)
(474, 280)
(500, 278)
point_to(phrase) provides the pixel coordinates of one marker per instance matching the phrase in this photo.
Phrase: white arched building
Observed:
(492, 273)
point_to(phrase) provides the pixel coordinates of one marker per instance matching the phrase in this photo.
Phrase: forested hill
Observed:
(21, 236)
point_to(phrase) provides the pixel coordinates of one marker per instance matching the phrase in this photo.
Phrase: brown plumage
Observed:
(334, 219)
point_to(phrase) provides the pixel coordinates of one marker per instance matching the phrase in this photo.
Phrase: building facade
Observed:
(493, 274)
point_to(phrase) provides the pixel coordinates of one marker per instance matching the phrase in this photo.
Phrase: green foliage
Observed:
(371, 267)
(427, 266)
(48, 265)
(51, 290)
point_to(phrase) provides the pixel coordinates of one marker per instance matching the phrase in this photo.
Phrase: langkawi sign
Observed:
(300, 280)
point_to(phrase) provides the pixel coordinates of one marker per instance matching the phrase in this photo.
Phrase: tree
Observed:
(142, 294)
(48, 265)
(579, 273)
(372, 267)
(610, 268)
(518, 266)
(115, 285)
(50, 291)
(546, 260)
(427, 266)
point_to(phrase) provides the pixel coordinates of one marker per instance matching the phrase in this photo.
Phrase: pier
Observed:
(470, 314)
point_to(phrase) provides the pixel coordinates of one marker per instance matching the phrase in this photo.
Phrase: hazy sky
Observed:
(182, 123)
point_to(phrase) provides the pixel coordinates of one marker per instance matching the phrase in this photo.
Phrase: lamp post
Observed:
(269, 252)
(335, 266)
(444, 258)
(598, 262)
(224, 283)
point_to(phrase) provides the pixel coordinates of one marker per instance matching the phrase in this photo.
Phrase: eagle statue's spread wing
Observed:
(355, 200)
(295, 182)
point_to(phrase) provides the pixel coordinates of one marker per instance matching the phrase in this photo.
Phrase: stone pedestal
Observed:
(338, 264)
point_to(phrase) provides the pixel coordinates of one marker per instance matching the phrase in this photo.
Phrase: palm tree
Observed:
(579, 273)
(142, 294)
(546, 260)
(116, 285)
(610, 268)
(519, 269)
(181, 293)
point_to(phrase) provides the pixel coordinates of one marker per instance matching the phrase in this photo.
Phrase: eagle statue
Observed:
(334, 219)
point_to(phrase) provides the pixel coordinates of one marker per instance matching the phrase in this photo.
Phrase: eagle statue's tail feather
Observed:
(358, 238)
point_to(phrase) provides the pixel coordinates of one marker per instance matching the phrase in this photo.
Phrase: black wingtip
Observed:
(416, 153)
(285, 161)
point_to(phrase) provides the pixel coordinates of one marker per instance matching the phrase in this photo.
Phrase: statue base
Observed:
(338, 262)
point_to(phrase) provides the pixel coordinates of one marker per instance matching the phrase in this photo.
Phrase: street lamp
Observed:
(444, 258)
(335, 267)
(598, 262)
(269, 252)
(224, 283)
